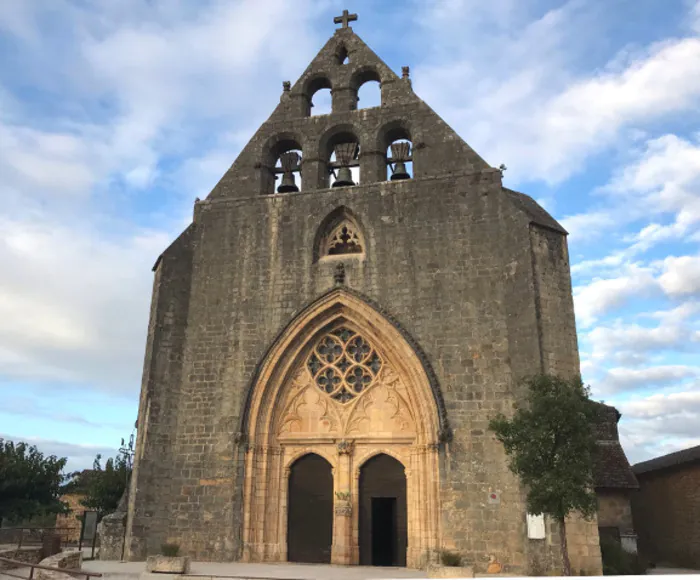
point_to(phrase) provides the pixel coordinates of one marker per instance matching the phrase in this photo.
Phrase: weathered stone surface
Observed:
(111, 532)
(168, 564)
(70, 559)
(450, 572)
(30, 555)
(462, 286)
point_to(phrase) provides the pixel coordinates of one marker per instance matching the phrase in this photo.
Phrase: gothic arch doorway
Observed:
(383, 519)
(310, 513)
(341, 382)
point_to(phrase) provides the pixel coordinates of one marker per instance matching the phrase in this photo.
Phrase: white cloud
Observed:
(625, 343)
(80, 456)
(663, 404)
(660, 423)
(681, 276)
(142, 83)
(602, 295)
(695, 16)
(523, 87)
(625, 379)
(76, 305)
(660, 182)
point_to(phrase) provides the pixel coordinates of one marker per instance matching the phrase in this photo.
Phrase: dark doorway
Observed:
(310, 515)
(384, 546)
(383, 526)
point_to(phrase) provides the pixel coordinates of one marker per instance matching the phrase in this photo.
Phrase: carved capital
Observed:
(343, 508)
(345, 447)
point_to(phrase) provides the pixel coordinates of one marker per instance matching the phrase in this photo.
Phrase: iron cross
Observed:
(345, 18)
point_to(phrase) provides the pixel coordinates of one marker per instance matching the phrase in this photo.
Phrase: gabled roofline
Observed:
(668, 461)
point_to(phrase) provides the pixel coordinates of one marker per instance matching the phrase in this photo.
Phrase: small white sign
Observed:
(535, 526)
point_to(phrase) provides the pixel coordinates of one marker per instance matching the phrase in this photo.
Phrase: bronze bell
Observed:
(400, 154)
(344, 154)
(290, 162)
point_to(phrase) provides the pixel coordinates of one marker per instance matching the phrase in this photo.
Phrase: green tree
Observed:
(30, 484)
(102, 487)
(551, 443)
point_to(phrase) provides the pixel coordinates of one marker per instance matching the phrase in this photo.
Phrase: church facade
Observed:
(325, 350)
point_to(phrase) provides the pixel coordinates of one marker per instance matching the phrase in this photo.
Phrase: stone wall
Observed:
(666, 513)
(71, 559)
(475, 275)
(30, 555)
(615, 510)
(69, 523)
(584, 545)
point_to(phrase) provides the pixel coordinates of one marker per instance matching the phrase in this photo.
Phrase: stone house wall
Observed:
(69, 525)
(666, 513)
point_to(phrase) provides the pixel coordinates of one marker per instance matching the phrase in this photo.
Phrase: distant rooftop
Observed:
(666, 461)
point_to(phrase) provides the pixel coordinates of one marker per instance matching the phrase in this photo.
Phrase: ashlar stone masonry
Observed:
(325, 352)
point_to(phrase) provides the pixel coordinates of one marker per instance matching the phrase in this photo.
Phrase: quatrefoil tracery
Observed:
(343, 364)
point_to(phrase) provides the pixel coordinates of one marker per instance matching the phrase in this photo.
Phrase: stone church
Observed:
(354, 300)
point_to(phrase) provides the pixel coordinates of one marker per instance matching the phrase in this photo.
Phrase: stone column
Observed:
(341, 552)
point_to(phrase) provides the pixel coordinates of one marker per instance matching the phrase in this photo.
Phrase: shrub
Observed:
(450, 558)
(170, 549)
(617, 562)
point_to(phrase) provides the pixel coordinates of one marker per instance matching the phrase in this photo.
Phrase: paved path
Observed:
(19, 571)
(129, 570)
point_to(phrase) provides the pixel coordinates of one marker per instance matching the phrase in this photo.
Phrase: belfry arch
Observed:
(343, 383)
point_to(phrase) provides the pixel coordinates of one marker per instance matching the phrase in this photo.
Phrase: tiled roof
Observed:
(666, 461)
(611, 468)
(533, 210)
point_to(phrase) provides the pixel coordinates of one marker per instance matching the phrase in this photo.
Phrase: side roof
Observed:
(685, 456)
(611, 469)
(537, 214)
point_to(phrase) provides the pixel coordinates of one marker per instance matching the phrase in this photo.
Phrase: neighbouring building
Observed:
(353, 301)
(615, 482)
(666, 510)
(68, 525)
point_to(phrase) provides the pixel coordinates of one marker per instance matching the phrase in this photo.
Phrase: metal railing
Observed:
(32, 567)
(31, 536)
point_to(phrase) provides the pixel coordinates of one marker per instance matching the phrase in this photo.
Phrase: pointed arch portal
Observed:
(342, 387)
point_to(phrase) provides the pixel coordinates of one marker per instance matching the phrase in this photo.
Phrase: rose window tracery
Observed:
(343, 364)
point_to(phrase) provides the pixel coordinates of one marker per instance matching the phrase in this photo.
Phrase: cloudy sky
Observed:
(114, 116)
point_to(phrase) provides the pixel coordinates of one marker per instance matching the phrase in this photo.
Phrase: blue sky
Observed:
(114, 116)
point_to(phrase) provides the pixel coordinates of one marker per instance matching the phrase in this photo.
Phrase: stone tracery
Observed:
(351, 388)
(343, 364)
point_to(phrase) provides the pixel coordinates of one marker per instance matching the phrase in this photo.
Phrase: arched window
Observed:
(399, 152)
(399, 163)
(341, 55)
(282, 165)
(341, 151)
(318, 94)
(344, 239)
(367, 86)
(339, 235)
(288, 172)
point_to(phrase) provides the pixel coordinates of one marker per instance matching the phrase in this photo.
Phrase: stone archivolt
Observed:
(341, 383)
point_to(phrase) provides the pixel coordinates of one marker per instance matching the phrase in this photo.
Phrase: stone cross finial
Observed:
(345, 18)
